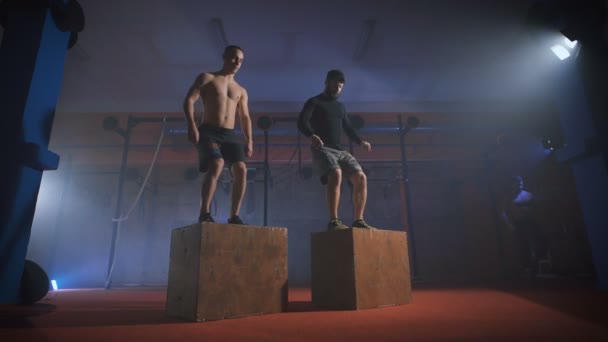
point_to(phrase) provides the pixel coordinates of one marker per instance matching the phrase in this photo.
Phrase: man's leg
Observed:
(359, 181)
(326, 163)
(239, 184)
(334, 180)
(209, 184)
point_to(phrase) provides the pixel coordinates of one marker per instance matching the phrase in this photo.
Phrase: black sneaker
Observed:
(205, 218)
(235, 220)
(336, 224)
(361, 224)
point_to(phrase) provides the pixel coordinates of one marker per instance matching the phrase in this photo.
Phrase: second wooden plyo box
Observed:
(360, 269)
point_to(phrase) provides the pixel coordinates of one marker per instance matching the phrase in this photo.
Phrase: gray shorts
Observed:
(326, 159)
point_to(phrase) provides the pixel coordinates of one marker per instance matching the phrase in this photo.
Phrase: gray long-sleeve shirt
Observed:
(326, 117)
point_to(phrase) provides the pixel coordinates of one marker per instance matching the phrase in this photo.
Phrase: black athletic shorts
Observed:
(218, 142)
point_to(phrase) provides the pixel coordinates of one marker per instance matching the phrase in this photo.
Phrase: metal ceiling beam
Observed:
(367, 31)
(219, 34)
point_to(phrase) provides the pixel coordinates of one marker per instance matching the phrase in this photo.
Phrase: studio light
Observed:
(547, 145)
(569, 43)
(560, 52)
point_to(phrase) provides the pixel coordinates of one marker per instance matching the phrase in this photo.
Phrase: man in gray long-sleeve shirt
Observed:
(322, 120)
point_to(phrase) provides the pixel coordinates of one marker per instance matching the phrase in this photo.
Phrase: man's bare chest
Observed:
(221, 90)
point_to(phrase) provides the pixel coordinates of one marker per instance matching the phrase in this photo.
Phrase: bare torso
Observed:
(220, 96)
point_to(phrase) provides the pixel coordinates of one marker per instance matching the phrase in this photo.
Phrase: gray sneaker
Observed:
(336, 224)
(361, 224)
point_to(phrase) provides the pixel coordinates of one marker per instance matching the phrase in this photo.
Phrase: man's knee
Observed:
(358, 178)
(239, 169)
(215, 167)
(334, 175)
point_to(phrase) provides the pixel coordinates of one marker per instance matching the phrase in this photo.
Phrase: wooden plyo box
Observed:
(360, 269)
(219, 271)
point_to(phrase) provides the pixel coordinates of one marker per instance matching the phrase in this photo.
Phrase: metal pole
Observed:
(497, 223)
(404, 170)
(266, 173)
(350, 185)
(299, 155)
(121, 180)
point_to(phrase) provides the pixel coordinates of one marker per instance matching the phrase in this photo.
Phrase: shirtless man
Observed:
(214, 135)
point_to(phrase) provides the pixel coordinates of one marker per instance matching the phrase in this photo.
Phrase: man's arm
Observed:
(304, 119)
(304, 123)
(352, 133)
(246, 122)
(191, 97)
(194, 93)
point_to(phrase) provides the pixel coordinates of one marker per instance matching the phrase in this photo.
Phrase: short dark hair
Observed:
(335, 74)
(232, 47)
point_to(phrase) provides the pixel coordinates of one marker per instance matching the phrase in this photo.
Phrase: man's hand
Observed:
(249, 149)
(193, 134)
(366, 145)
(316, 141)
